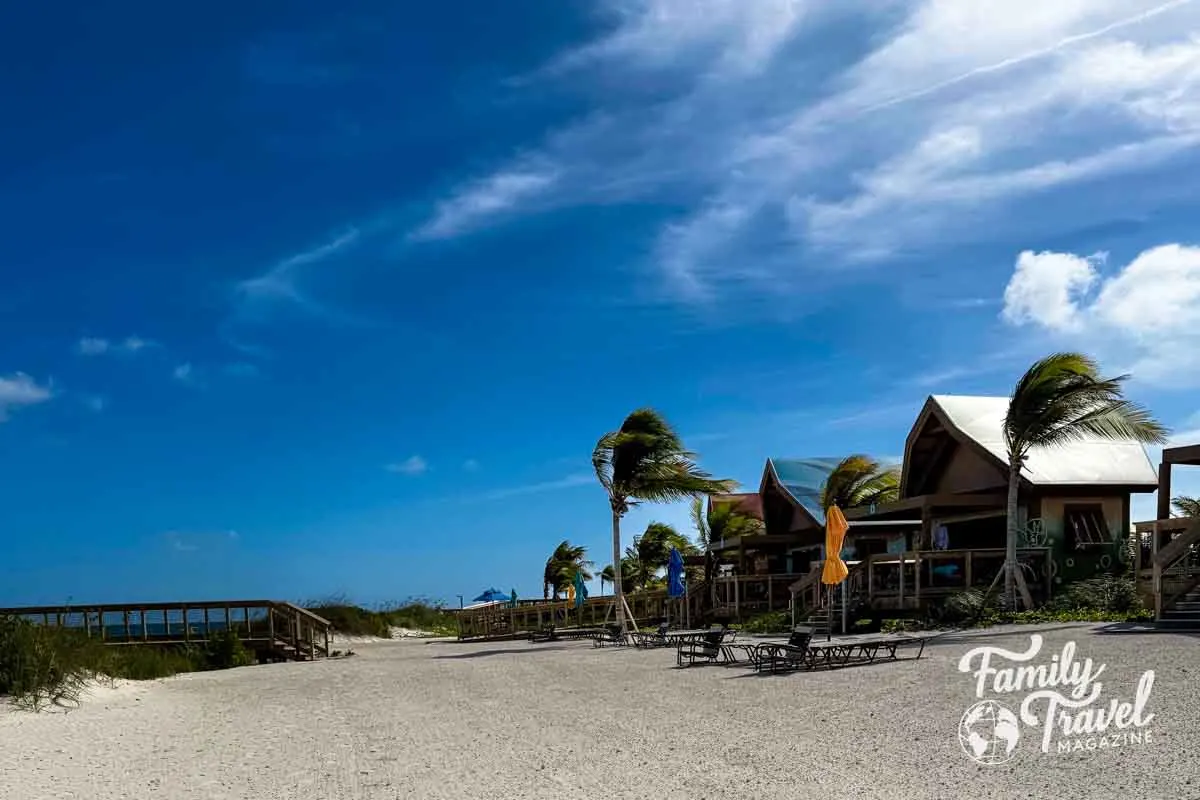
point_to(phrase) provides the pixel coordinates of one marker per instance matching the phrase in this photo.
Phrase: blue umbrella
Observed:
(581, 592)
(675, 584)
(491, 596)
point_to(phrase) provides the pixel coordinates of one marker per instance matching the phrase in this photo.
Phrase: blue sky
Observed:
(300, 302)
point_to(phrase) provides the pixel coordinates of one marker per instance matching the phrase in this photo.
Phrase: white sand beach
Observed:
(412, 719)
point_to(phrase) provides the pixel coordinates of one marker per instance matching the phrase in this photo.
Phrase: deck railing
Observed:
(262, 625)
(1173, 567)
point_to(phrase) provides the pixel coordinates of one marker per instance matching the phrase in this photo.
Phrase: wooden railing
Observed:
(743, 595)
(906, 580)
(503, 620)
(1174, 567)
(265, 626)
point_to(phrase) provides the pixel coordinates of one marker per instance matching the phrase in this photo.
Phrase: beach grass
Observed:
(42, 665)
(415, 614)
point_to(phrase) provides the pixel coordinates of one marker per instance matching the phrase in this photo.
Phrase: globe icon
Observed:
(989, 732)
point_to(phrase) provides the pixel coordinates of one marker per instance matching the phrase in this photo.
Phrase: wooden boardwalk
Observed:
(273, 629)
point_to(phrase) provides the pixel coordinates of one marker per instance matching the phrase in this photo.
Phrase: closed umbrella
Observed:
(835, 570)
(580, 588)
(675, 579)
(676, 582)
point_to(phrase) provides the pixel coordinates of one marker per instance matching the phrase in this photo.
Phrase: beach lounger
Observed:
(610, 636)
(656, 639)
(708, 647)
(795, 653)
(543, 634)
(886, 648)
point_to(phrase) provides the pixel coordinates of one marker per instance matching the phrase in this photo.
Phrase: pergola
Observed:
(1172, 456)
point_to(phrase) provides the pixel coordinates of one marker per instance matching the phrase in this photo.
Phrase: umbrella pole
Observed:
(829, 614)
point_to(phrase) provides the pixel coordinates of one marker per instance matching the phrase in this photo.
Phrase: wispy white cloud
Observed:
(97, 346)
(483, 200)
(471, 465)
(570, 481)
(96, 403)
(18, 390)
(413, 465)
(951, 112)
(281, 284)
(1143, 316)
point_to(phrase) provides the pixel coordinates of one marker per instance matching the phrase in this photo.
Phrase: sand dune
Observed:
(411, 719)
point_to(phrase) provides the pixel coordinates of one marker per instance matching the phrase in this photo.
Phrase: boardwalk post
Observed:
(145, 626)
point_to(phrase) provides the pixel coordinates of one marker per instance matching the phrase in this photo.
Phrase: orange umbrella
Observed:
(835, 570)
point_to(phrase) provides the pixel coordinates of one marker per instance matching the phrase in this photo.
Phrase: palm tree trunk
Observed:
(618, 593)
(1010, 543)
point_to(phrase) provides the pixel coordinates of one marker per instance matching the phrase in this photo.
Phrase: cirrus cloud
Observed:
(921, 130)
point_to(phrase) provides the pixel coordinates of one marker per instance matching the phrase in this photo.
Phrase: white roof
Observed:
(1090, 460)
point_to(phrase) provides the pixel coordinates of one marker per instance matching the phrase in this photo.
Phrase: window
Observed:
(1084, 527)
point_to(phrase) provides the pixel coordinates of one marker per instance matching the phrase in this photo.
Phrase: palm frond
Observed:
(1186, 506)
(645, 460)
(1062, 399)
(859, 480)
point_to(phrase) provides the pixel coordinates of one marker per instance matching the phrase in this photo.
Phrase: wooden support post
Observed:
(967, 569)
(145, 625)
(770, 595)
(1164, 492)
(187, 629)
(1156, 571)
(87, 623)
(903, 558)
(128, 630)
(917, 577)
(207, 629)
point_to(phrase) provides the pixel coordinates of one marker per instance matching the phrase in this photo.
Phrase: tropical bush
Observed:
(772, 622)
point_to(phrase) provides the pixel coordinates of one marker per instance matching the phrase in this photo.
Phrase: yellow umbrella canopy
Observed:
(835, 570)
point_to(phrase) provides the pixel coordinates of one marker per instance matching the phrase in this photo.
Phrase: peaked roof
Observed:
(748, 504)
(802, 479)
(1090, 460)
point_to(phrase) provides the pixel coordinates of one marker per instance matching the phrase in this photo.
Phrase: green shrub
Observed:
(1116, 594)
(772, 622)
(224, 650)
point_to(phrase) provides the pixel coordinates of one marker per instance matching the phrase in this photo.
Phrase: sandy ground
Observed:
(410, 719)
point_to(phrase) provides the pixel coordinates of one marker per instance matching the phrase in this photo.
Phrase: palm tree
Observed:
(645, 460)
(859, 480)
(606, 574)
(566, 560)
(1060, 399)
(722, 522)
(650, 552)
(1186, 506)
